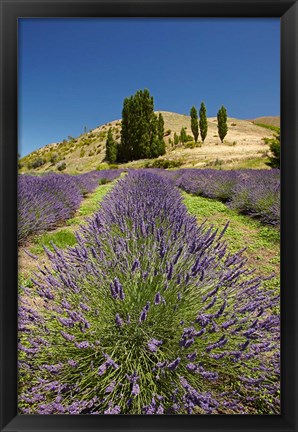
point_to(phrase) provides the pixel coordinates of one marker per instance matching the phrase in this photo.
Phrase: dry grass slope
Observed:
(242, 147)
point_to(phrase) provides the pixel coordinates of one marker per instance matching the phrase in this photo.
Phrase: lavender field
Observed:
(45, 201)
(153, 310)
(251, 192)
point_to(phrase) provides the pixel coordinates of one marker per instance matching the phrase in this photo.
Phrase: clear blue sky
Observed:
(76, 72)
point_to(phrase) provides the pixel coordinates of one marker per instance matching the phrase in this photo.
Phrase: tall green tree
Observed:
(160, 134)
(222, 123)
(176, 139)
(183, 136)
(111, 148)
(141, 128)
(194, 122)
(203, 121)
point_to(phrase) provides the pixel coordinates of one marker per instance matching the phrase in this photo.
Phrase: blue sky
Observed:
(76, 72)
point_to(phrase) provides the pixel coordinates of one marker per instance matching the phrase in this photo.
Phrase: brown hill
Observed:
(268, 120)
(243, 147)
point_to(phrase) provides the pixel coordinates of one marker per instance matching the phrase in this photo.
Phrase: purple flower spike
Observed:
(144, 313)
(111, 387)
(102, 369)
(135, 265)
(118, 320)
(174, 364)
(82, 345)
(143, 316)
(135, 389)
(153, 344)
(117, 285)
(113, 410)
(67, 336)
(157, 299)
(113, 291)
(191, 367)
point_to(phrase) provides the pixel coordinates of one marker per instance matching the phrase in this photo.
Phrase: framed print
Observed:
(148, 235)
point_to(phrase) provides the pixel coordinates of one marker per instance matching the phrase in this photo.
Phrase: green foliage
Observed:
(82, 153)
(102, 166)
(183, 136)
(176, 139)
(36, 163)
(54, 158)
(90, 204)
(218, 162)
(164, 163)
(189, 138)
(270, 127)
(222, 123)
(62, 239)
(192, 144)
(142, 131)
(103, 181)
(61, 166)
(161, 146)
(203, 122)
(111, 148)
(274, 160)
(194, 123)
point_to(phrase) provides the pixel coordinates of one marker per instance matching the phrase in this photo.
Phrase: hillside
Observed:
(268, 120)
(243, 147)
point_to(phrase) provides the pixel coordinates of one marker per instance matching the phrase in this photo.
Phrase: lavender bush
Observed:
(147, 314)
(252, 192)
(43, 201)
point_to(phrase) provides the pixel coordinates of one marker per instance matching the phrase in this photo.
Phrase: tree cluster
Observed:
(199, 124)
(142, 133)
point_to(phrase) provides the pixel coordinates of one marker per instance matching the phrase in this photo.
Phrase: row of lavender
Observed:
(43, 201)
(148, 314)
(252, 192)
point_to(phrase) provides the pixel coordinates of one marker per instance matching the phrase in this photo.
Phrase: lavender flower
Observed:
(118, 320)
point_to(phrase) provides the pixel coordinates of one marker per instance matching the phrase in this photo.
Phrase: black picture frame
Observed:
(11, 10)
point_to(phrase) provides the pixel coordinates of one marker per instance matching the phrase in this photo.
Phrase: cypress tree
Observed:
(161, 132)
(176, 139)
(194, 123)
(125, 148)
(222, 124)
(183, 136)
(203, 122)
(111, 148)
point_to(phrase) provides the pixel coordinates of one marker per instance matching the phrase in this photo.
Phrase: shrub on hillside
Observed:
(36, 163)
(61, 166)
(164, 163)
